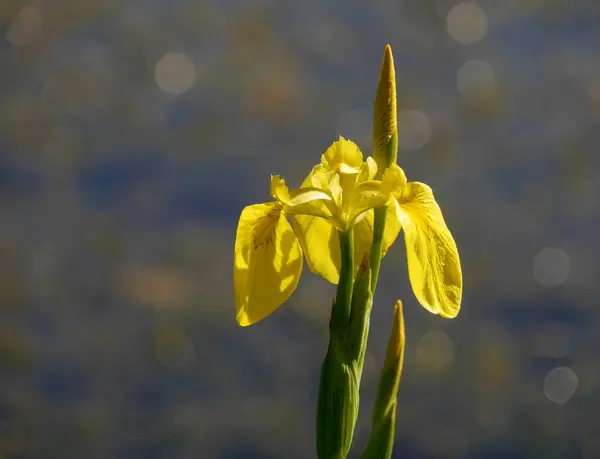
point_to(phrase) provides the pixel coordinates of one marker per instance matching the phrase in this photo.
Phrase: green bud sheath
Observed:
(381, 441)
(385, 125)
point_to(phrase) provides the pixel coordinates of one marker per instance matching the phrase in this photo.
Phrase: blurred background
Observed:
(132, 134)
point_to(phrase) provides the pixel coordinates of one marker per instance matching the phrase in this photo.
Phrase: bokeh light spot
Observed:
(560, 385)
(551, 267)
(414, 129)
(26, 27)
(467, 23)
(435, 350)
(175, 73)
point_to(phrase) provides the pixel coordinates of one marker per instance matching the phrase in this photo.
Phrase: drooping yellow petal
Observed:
(433, 261)
(321, 245)
(343, 156)
(267, 263)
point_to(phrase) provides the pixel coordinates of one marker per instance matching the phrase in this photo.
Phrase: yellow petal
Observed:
(321, 245)
(303, 195)
(307, 195)
(317, 178)
(368, 170)
(367, 196)
(279, 190)
(433, 262)
(326, 181)
(393, 179)
(303, 201)
(267, 263)
(343, 156)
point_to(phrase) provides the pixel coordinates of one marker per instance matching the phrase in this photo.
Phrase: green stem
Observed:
(337, 406)
(343, 299)
(377, 246)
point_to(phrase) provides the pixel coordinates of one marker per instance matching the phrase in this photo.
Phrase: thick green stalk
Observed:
(343, 298)
(337, 407)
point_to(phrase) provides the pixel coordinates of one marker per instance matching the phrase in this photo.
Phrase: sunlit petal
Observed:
(367, 170)
(335, 188)
(306, 195)
(279, 190)
(343, 153)
(320, 242)
(393, 179)
(344, 169)
(303, 195)
(363, 203)
(314, 208)
(369, 187)
(433, 261)
(305, 200)
(267, 262)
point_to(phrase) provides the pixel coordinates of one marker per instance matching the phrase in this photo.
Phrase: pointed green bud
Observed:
(392, 365)
(385, 125)
(381, 441)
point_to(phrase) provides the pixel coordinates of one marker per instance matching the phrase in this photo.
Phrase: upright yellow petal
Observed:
(321, 245)
(344, 156)
(433, 262)
(393, 179)
(267, 263)
(368, 170)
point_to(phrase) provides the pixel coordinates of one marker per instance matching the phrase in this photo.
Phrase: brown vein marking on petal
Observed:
(264, 232)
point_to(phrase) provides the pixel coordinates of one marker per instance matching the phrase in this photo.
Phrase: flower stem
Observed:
(343, 297)
(377, 246)
(337, 407)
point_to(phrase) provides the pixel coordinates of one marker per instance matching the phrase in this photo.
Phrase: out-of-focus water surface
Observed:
(133, 133)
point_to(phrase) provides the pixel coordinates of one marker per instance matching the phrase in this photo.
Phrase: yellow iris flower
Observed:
(339, 194)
